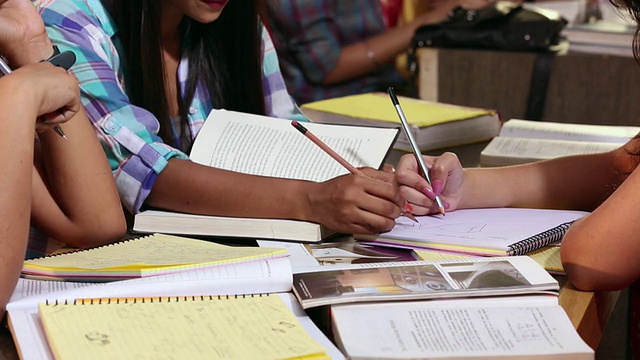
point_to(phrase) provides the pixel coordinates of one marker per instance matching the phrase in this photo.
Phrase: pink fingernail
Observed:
(437, 186)
(446, 205)
(429, 193)
(408, 207)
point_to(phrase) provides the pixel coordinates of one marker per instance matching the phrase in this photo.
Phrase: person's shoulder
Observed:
(79, 13)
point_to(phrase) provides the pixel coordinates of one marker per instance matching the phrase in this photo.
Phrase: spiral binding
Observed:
(143, 300)
(92, 249)
(537, 241)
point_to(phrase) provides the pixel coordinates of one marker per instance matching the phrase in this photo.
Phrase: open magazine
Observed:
(421, 280)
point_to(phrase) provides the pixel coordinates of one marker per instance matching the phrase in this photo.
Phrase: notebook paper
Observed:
(258, 327)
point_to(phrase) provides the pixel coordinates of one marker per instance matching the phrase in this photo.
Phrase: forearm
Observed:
(366, 56)
(79, 204)
(192, 188)
(16, 153)
(578, 182)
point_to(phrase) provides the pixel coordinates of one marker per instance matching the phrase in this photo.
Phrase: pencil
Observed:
(414, 145)
(352, 169)
(6, 70)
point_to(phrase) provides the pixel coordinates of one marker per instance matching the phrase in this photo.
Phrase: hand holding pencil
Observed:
(405, 206)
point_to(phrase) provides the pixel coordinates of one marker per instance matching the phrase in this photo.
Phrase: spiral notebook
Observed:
(203, 327)
(150, 255)
(488, 232)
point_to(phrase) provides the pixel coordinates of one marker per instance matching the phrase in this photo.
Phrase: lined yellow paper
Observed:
(157, 253)
(258, 327)
(378, 106)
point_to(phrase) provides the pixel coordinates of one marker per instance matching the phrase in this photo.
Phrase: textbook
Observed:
(270, 276)
(266, 146)
(421, 280)
(151, 255)
(510, 327)
(434, 125)
(484, 231)
(524, 141)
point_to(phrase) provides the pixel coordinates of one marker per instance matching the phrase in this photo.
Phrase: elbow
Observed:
(589, 267)
(106, 230)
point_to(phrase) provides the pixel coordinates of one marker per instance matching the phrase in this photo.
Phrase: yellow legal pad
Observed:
(150, 255)
(211, 327)
(378, 106)
(548, 257)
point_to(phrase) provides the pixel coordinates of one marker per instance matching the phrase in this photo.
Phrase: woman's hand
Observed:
(358, 204)
(23, 39)
(447, 179)
(50, 91)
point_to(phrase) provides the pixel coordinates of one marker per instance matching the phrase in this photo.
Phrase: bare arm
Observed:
(16, 153)
(75, 199)
(350, 203)
(355, 59)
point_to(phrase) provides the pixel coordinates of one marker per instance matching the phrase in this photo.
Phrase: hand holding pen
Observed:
(414, 146)
(64, 60)
(352, 169)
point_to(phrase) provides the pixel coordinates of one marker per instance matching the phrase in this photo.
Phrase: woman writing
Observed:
(150, 72)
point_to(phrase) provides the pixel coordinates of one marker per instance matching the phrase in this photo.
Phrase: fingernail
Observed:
(437, 186)
(446, 205)
(429, 193)
(408, 207)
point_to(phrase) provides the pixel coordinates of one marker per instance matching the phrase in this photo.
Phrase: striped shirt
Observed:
(129, 133)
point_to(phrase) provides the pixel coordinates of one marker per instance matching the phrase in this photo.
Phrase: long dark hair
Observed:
(224, 56)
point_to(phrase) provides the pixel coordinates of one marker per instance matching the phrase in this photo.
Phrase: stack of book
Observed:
(434, 125)
(602, 37)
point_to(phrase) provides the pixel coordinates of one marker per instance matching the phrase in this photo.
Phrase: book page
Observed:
(574, 132)
(257, 327)
(157, 251)
(424, 329)
(511, 150)
(477, 231)
(256, 277)
(261, 145)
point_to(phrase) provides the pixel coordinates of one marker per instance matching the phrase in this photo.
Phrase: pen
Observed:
(352, 169)
(412, 142)
(6, 70)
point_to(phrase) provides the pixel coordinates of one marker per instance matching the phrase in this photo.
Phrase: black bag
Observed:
(502, 26)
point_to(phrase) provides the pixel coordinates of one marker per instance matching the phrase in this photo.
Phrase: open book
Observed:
(266, 276)
(434, 125)
(489, 232)
(266, 146)
(523, 141)
(421, 280)
(512, 327)
(140, 257)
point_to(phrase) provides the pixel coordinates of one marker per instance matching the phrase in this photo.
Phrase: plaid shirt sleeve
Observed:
(279, 102)
(128, 133)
